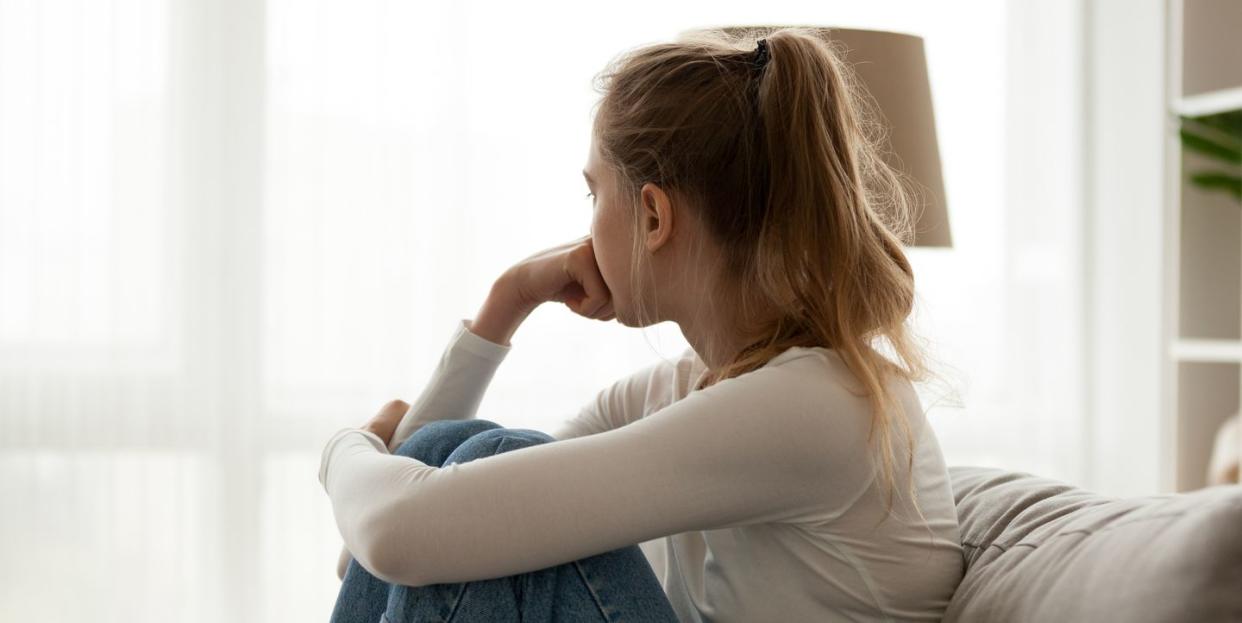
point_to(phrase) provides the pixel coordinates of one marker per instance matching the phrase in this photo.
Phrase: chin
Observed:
(624, 318)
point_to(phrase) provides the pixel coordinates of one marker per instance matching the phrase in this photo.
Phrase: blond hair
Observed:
(782, 164)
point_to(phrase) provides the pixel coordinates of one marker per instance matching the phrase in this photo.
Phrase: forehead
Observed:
(593, 170)
(592, 156)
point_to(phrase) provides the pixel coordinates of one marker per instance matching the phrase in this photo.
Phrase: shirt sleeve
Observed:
(632, 397)
(752, 449)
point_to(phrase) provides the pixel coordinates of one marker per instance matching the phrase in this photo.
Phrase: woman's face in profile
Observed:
(611, 234)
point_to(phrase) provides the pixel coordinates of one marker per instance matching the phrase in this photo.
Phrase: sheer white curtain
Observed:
(229, 228)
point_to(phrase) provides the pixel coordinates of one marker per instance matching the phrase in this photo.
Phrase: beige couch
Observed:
(1041, 550)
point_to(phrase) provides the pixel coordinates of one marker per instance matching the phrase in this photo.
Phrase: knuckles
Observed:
(395, 405)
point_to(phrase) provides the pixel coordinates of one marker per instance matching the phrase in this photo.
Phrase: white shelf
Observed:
(1210, 103)
(1203, 278)
(1207, 351)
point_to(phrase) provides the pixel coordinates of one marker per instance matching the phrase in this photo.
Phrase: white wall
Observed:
(1125, 169)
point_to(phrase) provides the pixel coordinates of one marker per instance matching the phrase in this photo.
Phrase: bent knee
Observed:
(495, 441)
(432, 442)
(460, 428)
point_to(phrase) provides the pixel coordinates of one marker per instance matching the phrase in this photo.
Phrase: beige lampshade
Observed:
(893, 68)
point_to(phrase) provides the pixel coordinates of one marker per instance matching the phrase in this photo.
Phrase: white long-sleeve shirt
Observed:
(754, 499)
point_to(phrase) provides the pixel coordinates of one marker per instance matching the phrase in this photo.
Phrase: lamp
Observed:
(893, 69)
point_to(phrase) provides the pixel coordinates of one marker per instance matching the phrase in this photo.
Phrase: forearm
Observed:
(497, 320)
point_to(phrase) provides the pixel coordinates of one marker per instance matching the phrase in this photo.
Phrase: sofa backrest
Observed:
(1041, 550)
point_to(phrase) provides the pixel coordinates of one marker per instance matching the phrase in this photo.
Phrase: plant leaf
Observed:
(1229, 122)
(1209, 147)
(1216, 180)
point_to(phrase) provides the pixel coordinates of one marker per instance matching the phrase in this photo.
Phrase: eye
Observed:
(590, 195)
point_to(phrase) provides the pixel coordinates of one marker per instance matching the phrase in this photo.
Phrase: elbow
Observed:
(384, 565)
(342, 563)
(376, 564)
(388, 566)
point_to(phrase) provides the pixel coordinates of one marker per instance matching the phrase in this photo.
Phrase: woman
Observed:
(781, 469)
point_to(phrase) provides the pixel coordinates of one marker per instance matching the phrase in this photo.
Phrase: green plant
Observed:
(1219, 137)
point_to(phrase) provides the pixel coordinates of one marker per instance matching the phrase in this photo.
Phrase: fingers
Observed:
(586, 272)
(398, 407)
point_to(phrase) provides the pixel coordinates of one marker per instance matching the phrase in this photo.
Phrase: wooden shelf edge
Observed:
(1209, 103)
(1207, 351)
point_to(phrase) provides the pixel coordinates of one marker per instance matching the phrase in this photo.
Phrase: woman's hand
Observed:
(384, 423)
(566, 274)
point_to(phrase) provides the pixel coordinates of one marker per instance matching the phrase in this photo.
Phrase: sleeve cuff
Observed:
(472, 342)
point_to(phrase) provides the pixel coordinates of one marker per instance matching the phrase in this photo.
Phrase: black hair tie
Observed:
(761, 54)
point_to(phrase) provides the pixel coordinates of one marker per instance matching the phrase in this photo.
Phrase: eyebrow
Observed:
(588, 178)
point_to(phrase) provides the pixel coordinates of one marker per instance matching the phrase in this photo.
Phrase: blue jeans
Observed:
(613, 586)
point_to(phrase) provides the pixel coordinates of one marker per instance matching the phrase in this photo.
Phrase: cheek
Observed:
(611, 251)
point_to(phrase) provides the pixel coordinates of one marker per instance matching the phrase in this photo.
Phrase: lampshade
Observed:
(893, 69)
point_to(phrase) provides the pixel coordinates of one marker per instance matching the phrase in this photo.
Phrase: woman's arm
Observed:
(762, 447)
(565, 273)
(614, 406)
(468, 363)
(466, 367)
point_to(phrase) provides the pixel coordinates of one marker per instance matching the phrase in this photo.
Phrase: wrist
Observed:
(501, 314)
(506, 292)
(384, 434)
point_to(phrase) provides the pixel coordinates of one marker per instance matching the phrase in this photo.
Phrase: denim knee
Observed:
(495, 441)
(434, 441)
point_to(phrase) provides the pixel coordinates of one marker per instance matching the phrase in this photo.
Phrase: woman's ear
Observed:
(657, 216)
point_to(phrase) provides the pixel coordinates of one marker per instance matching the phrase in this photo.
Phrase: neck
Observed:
(715, 333)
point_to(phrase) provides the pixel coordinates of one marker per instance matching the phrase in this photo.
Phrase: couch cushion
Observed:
(1041, 550)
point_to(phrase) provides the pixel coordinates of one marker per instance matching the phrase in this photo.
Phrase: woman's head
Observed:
(758, 188)
(653, 226)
